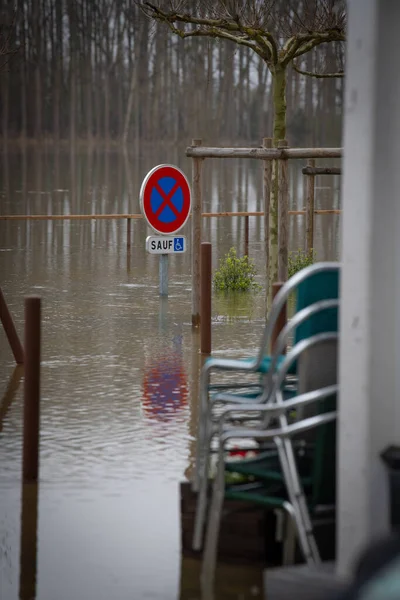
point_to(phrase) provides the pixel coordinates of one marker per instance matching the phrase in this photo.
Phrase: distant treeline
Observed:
(92, 70)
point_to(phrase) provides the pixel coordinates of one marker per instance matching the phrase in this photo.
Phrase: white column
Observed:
(370, 288)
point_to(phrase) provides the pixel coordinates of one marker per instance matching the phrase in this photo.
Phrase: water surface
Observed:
(119, 370)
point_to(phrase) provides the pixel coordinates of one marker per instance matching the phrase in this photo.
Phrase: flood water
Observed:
(120, 367)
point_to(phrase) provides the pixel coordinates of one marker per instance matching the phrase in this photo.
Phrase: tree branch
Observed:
(7, 49)
(214, 32)
(259, 40)
(230, 25)
(309, 41)
(317, 75)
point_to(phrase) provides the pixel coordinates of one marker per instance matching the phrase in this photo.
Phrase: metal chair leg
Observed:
(290, 534)
(311, 550)
(201, 505)
(213, 527)
(294, 502)
(202, 426)
(199, 448)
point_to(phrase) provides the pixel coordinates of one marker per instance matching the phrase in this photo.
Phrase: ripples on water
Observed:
(118, 397)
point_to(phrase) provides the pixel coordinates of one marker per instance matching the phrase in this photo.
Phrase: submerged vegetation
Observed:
(300, 259)
(235, 274)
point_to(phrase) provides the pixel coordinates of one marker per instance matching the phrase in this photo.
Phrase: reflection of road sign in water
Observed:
(165, 244)
(165, 389)
(165, 199)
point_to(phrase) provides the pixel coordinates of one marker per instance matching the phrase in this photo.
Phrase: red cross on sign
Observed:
(165, 199)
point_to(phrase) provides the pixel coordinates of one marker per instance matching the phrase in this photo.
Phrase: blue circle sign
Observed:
(165, 199)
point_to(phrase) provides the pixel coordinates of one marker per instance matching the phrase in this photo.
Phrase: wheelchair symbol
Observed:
(178, 245)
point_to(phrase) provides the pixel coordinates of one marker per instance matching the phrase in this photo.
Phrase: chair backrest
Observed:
(311, 284)
(324, 458)
(323, 437)
(322, 285)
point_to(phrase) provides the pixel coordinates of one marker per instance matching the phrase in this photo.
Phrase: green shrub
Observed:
(236, 274)
(300, 259)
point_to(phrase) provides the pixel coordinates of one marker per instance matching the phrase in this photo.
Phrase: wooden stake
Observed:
(310, 200)
(267, 174)
(263, 153)
(282, 318)
(31, 389)
(283, 220)
(246, 235)
(11, 332)
(196, 235)
(28, 541)
(205, 320)
(128, 233)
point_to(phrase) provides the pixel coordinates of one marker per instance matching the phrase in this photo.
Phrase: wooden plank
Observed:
(247, 534)
(263, 153)
(312, 170)
(67, 217)
(302, 582)
(267, 175)
(310, 200)
(196, 235)
(137, 216)
(233, 581)
(283, 221)
(10, 393)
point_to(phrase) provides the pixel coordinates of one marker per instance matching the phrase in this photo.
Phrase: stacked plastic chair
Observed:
(314, 322)
(313, 285)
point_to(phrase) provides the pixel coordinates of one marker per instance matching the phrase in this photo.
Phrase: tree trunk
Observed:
(58, 71)
(23, 127)
(107, 105)
(38, 81)
(142, 118)
(5, 107)
(279, 99)
(309, 106)
(129, 107)
(72, 63)
(89, 76)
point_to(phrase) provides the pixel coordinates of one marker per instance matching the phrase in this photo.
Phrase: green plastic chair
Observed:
(317, 283)
(301, 484)
(314, 283)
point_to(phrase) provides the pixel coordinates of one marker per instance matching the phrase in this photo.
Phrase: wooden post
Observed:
(128, 234)
(31, 389)
(28, 541)
(10, 393)
(267, 173)
(283, 215)
(205, 315)
(282, 318)
(310, 200)
(196, 235)
(246, 235)
(11, 332)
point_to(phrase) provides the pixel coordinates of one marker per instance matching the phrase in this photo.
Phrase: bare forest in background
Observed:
(91, 71)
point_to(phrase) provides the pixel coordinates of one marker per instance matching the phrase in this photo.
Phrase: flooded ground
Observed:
(119, 370)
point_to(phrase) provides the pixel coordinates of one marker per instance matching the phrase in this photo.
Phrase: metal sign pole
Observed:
(165, 201)
(163, 274)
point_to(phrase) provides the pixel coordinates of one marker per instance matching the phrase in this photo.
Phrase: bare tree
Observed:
(8, 46)
(278, 32)
(95, 70)
(278, 35)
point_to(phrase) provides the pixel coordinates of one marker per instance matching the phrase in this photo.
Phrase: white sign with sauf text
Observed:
(165, 244)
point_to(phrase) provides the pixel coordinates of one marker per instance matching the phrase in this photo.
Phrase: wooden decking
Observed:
(301, 582)
(247, 534)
